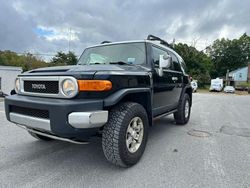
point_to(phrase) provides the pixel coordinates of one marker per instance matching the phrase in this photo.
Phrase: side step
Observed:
(165, 114)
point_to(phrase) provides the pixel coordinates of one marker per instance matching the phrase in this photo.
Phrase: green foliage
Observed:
(246, 84)
(64, 59)
(27, 62)
(198, 63)
(223, 55)
(229, 54)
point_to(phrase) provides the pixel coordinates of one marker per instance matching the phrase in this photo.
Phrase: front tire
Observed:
(183, 113)
(125, 135)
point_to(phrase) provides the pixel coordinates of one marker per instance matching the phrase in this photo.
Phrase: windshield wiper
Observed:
(121, 63)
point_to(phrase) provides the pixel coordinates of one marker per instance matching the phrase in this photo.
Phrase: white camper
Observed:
(216, 84)
(194, 85)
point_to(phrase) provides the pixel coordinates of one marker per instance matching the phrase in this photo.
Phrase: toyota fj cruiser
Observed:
(115, 90)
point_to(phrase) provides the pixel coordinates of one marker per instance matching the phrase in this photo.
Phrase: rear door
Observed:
(177, 77)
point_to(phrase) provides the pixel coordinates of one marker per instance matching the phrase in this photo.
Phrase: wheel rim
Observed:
(134, 134)
(187, 107)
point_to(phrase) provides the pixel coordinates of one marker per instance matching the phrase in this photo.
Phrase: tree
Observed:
(229, 54)
(199, 65)
(27, 61)
(64, 59)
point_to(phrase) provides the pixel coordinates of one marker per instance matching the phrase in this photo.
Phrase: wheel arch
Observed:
(141, 96)
(187, 90)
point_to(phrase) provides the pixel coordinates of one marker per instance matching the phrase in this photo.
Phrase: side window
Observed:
(156, 55)
(176, 64)
(240, 75)
(183, 65)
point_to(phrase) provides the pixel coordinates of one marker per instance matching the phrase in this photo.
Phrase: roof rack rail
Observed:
(104, 42)
(163, 42)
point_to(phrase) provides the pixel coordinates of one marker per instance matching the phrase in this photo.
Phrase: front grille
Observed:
(49, 87)
(30, 112)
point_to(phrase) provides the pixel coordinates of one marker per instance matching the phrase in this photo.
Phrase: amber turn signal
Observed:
(94, 85)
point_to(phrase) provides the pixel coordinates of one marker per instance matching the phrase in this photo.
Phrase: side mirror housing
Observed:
(165, 62)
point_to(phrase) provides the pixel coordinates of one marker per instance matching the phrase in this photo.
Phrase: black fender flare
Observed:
(117, 96)
(187, 89)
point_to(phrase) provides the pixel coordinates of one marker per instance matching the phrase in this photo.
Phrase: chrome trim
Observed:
(52, 136)
(60, 80)
(33, 122)
(83, 120)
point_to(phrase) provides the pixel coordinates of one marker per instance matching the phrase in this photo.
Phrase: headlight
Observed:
(17, 85)
(69, 88)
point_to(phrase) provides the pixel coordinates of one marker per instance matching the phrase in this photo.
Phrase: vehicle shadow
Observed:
(161, 126)
(82, 158)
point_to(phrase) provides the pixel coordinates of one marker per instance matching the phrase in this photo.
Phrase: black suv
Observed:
(115, 90)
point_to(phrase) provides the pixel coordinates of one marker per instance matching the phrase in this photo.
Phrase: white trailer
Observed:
(8, 75)
(216, 84)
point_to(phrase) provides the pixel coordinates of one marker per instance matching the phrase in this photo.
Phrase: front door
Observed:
(163, 86)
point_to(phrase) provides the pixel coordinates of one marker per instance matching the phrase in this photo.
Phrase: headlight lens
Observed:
(69, 88)
(17, 85)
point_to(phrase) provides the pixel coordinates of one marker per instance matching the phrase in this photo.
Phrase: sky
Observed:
(46, 27)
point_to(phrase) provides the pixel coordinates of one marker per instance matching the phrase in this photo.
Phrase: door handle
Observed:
(174, 78)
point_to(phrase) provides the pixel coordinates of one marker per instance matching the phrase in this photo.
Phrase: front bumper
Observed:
(68, 118)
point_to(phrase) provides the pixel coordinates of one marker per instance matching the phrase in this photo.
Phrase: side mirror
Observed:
(165, 62)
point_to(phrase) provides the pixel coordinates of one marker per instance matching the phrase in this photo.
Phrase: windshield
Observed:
(127, 53)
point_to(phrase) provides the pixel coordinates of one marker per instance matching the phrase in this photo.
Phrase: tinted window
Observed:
(183, 65)
(176, 64)
(156, 55)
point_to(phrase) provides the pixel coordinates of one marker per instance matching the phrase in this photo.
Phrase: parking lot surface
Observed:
(212, 150)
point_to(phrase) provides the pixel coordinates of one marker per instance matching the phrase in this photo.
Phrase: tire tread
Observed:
(112, 130)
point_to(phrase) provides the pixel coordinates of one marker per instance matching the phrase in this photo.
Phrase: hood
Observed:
(85, 69)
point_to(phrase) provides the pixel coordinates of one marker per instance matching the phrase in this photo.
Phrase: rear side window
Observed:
(176, 64)
(183, 65)
(156, 55)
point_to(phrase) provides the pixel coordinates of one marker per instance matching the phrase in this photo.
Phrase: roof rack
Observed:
(163, 42)
(104, 42)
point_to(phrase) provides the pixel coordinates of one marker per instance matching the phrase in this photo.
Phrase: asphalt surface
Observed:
(173, 158)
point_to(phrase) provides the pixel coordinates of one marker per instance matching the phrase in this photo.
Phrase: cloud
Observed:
(48, 26)
(51, 34)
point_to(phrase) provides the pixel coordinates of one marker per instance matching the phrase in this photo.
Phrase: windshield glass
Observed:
(127, 53)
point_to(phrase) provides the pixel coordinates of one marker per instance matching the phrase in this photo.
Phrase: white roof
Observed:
(134, 41)
(239, 69)
(11, 68)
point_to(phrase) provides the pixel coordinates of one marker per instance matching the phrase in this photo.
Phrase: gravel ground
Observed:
(175, 156)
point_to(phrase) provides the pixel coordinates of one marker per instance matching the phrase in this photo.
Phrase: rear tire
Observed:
(183, 114)
(40, 137)
(125, 135)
